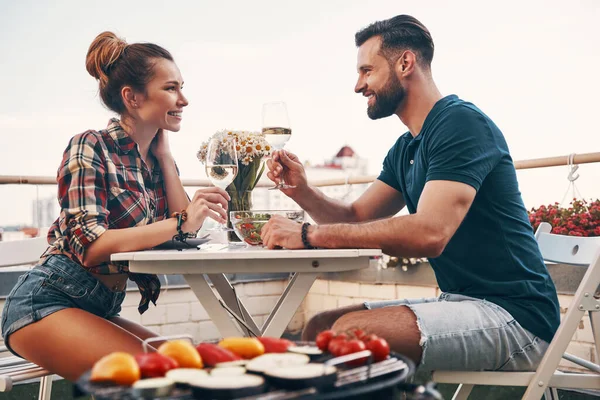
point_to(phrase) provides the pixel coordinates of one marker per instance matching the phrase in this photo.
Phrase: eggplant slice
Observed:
(228, 387)
(152, 387)
(183, 376)
(312, 351)
(273, 361)
(315, 375)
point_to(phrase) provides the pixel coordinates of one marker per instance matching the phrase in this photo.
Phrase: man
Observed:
(499, 308)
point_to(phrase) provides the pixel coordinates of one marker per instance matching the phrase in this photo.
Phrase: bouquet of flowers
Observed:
(580, 219)
(251, 147)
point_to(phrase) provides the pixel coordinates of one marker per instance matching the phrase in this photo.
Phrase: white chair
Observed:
(14, 369)
(580, 251)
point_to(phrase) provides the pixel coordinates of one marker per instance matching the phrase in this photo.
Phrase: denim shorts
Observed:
(468, 334)
(53, 285)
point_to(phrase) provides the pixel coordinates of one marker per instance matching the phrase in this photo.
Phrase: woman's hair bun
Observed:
(104, 51)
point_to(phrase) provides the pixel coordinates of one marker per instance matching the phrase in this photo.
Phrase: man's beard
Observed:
(386, 102)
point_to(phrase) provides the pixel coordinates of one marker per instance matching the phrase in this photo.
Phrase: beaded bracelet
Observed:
(181, 218)
(305, 241)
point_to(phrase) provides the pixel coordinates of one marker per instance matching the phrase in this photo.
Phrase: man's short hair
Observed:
(400, 33)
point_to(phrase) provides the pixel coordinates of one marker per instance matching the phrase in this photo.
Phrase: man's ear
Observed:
(406, 63)
(130, 98)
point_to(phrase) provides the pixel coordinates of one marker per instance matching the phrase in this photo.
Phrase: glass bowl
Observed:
(248, 224)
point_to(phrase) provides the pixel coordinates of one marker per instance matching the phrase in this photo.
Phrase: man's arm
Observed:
(442, 207)
(378, 201)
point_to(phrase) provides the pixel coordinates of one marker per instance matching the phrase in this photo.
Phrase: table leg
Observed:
(288, 303)
(227, 293)
(199, 285)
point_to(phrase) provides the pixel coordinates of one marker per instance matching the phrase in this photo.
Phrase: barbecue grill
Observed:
(374, 380)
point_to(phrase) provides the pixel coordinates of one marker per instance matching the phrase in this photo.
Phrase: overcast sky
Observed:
(532, 66)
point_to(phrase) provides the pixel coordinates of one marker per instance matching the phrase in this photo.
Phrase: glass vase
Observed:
(240, 201)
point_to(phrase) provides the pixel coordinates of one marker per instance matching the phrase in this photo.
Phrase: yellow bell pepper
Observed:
(244, 347)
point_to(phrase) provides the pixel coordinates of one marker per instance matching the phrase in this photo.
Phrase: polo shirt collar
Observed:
(437, 107)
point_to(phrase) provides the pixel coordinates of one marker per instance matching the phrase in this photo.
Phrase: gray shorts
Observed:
(55, 284)
(468, 334)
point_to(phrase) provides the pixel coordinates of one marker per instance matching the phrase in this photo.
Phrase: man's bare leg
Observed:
(396, 324)
(325, 320)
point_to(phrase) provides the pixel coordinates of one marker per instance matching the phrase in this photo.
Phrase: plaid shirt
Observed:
(104, 184)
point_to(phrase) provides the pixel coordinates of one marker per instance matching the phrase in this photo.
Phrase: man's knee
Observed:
(325, 320)
(317, 323)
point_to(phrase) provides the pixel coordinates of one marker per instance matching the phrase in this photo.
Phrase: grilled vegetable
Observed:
(275, 345)
(300, 376)
(183, 376)
(273, 361)
(244, 347)
(227, 387)
(311, 351)
(117, 367)
(228, 371)
(152, 388)
(183, 352)
(212, 354)
(155, 365)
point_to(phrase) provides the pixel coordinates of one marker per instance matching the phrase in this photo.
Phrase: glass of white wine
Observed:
(277, 130)
(221, 167)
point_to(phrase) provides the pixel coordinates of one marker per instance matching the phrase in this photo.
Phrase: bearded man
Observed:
(453, 171)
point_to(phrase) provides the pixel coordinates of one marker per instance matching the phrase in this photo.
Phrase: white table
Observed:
(213, 261)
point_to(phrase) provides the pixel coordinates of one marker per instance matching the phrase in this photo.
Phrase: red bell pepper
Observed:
(212, 354)
(275, 345)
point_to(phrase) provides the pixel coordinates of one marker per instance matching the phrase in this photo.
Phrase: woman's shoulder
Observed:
(89, 139)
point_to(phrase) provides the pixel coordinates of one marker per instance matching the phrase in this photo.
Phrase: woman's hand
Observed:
(287, 165)
(160, 146)
(209, 202)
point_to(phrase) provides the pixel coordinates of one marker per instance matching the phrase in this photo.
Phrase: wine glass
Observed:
(221, 166)
(276, 129)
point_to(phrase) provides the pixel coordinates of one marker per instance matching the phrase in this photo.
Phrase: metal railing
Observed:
(571, 159)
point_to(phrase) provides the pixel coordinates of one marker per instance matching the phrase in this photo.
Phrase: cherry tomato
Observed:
(358, 333)
(335, 344)
(380, 349)
(353, 346)
(367, 338)
(324, 338)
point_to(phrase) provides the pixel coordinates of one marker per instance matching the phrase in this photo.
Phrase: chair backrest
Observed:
(19, 252)
(563, 249)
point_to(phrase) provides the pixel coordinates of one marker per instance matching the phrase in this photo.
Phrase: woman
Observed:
(117, 189)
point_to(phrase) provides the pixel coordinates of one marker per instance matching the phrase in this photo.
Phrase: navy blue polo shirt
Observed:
(493, 255)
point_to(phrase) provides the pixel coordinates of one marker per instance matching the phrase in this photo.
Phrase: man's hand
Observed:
(283, 164)
(283, 232)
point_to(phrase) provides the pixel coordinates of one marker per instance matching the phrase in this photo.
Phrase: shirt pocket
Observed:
(126, 208)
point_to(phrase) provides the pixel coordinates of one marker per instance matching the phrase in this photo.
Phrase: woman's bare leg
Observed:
(136, 329)
(69, 342)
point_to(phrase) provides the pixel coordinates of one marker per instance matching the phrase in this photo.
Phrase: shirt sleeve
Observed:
(464, 149)
(82, 193)
(388, 172)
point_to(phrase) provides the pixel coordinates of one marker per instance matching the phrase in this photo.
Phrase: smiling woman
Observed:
(117, 188)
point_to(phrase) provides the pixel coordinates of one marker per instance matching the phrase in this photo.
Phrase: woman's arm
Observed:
(209, 202)
(177, 199)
